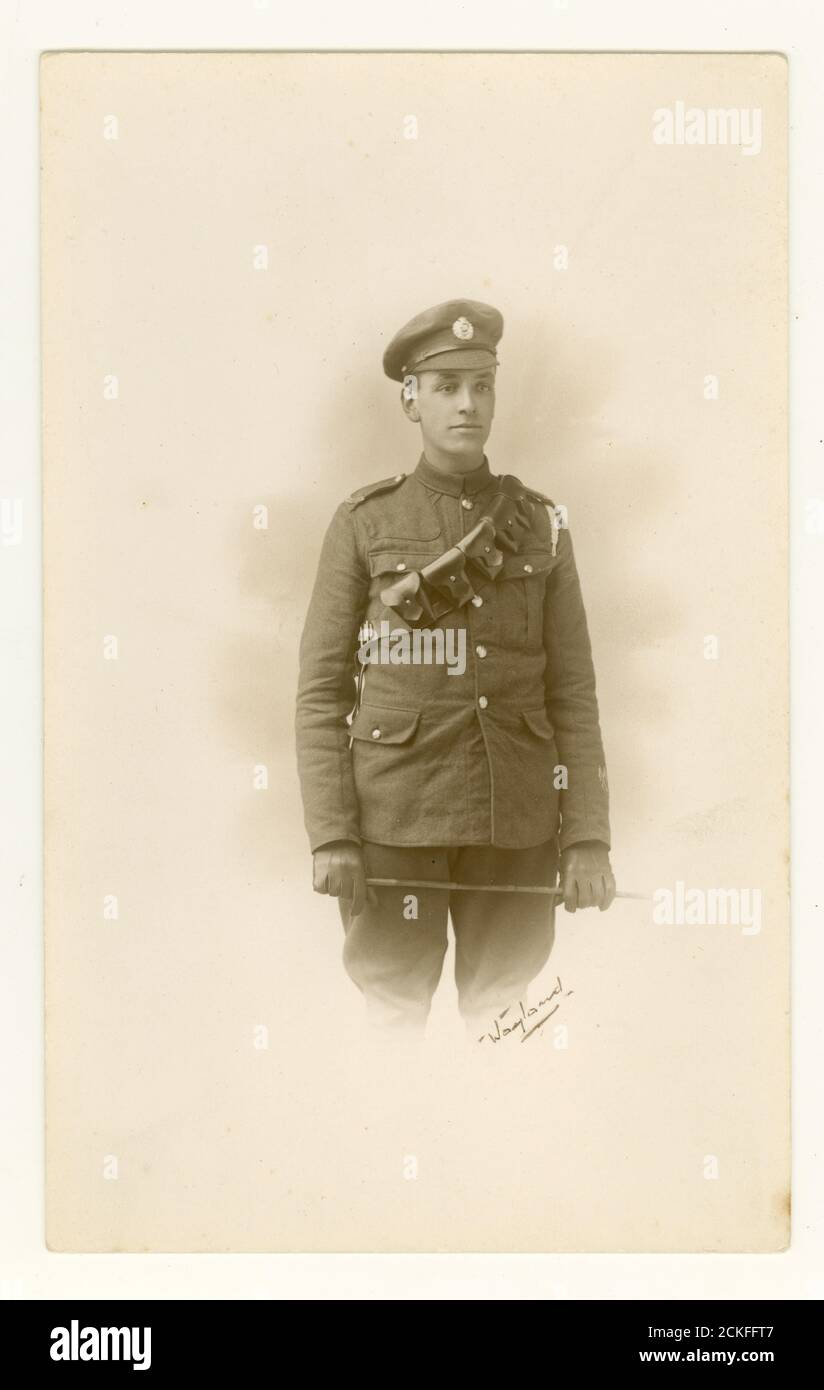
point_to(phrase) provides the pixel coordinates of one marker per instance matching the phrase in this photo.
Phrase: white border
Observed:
(27, 1269)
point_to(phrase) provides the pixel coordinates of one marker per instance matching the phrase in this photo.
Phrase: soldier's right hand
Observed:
(340, 871)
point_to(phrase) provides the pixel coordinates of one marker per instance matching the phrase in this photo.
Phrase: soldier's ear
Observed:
(410, 406)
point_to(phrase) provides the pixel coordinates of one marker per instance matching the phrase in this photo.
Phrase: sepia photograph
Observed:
(415, 553)
(468, 791)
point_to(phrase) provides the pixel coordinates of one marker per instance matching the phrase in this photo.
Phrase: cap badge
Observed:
(463, 329)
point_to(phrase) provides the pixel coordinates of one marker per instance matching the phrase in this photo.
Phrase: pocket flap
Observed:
(383, 724)
(400, 561)
(538, 722)
(527, 563)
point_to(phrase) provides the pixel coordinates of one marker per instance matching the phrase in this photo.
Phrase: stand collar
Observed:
(454, 484)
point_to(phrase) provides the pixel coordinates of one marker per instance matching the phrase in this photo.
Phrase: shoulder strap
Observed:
(513, 487)
(539, 496)
(362, 493)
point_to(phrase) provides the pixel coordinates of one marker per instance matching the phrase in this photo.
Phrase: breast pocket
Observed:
(386, 565)
(523, 579)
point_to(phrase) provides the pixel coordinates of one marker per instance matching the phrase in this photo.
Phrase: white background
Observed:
(26, 1268)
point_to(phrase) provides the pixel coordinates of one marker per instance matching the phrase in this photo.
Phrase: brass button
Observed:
(477, 601)
(528, 568)
(482, 701)
(401, 566)
(481, 651)
(467, 504)
(399, 477)
(376, 733)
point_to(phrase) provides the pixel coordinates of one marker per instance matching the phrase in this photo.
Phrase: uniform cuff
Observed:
(328, 837)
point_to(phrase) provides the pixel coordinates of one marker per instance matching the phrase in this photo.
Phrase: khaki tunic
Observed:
(433, 758)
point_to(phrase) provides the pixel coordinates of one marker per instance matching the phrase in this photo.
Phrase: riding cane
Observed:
(483, 887)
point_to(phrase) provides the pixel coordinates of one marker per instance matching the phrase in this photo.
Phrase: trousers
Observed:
(394, 950)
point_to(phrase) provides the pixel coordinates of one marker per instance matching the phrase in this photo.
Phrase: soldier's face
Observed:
(455, 410)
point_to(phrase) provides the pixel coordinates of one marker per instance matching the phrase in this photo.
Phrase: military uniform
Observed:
(484, 776)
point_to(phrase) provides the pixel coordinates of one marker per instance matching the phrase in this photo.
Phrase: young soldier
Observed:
(491, 775)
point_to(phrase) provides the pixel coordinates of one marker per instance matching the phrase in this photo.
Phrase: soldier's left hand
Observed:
(586, 876)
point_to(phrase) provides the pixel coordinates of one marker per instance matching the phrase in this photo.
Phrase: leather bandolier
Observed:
(425, 595)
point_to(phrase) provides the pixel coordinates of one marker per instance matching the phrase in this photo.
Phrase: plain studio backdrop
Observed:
(234, 238)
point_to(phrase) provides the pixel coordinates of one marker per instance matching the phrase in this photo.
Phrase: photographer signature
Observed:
(520, 1024)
